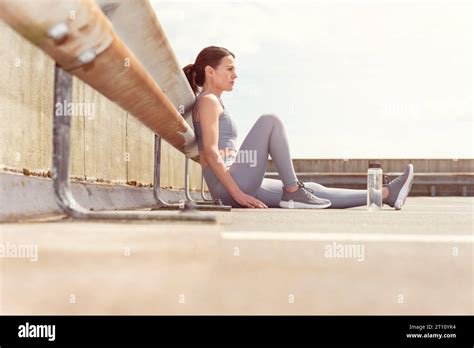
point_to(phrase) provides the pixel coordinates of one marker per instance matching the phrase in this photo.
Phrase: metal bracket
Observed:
(62, 161)
(201, 204)
(156, 180)
(204, 198)
(189, 203)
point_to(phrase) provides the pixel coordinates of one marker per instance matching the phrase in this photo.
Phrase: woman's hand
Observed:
(248, 201)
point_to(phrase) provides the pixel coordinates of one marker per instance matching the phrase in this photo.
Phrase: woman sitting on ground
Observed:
(241, 183)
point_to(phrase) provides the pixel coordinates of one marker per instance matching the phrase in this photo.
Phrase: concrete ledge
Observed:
(360, 165)
(26, 196)
(424, 184)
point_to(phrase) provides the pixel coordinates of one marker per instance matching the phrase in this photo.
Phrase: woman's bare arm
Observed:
(209, 110)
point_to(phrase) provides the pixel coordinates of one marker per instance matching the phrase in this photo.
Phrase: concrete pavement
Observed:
(415, 261)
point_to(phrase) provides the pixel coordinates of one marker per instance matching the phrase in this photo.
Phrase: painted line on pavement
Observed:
(353, 237)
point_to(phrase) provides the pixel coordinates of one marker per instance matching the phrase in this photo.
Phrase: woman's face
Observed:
(223, 77)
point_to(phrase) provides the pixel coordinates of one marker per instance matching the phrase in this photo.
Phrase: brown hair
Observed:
(212, 56)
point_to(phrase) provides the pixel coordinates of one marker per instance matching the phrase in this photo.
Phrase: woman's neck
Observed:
(212, 90)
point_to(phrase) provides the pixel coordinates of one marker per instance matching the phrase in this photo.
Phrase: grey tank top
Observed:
(227, 128)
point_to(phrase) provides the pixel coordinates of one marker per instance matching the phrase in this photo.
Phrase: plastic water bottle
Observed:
(374, 186)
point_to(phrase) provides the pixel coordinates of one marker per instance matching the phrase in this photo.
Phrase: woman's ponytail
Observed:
(190, 75)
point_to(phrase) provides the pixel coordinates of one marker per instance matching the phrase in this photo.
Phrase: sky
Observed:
(349, 79)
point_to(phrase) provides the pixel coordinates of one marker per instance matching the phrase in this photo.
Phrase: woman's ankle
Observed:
(385, 193)
(291, 188)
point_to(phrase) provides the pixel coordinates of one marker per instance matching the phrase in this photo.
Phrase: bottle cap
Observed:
(375, 164)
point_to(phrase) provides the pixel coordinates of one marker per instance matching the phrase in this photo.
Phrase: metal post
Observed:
(156, 180)
(61, 166)
(200, 204)
(202, 190)
(189, 203)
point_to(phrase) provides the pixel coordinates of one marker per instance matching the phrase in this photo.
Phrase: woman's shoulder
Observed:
(210, 103)
(209, 98)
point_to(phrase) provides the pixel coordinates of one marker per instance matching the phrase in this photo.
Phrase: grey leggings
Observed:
(268, 137)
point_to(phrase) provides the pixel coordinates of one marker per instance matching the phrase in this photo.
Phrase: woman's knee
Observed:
(317, 188)
(271, 118)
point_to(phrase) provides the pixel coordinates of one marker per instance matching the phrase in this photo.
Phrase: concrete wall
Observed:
(108, 143)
